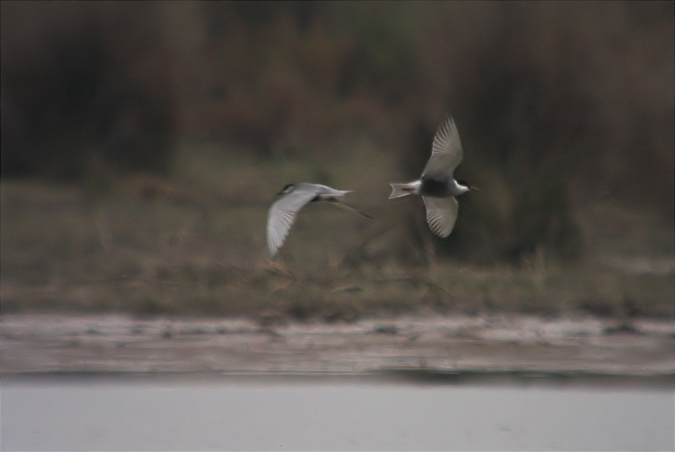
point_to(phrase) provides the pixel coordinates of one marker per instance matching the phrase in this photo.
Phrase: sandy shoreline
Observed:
(42, 344)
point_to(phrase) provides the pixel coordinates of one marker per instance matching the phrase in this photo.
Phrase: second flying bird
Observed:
(437, 186)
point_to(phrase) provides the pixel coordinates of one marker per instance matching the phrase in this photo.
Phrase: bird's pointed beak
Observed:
(471, 187)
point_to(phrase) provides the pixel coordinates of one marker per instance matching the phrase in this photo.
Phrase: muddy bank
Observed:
(413, 346)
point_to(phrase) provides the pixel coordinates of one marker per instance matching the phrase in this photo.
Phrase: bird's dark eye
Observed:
(286, 190)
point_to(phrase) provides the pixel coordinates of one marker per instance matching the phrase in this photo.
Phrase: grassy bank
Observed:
(194, 244)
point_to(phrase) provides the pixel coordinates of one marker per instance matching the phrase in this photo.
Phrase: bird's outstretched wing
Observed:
(441, 214)
(282, 215)
(446, 151)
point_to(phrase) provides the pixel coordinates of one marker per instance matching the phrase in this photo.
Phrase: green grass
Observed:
(194, 244)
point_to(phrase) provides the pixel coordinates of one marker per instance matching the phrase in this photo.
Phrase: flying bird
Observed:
(437, 186)
(294, 197)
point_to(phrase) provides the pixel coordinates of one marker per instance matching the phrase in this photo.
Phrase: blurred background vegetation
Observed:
(142, 144)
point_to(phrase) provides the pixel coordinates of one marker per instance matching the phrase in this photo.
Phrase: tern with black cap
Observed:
(294, 197)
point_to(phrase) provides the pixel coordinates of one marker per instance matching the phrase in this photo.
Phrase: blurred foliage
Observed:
(558, 104)
(83, 84)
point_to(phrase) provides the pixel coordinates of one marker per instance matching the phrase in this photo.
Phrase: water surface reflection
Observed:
(253, 413)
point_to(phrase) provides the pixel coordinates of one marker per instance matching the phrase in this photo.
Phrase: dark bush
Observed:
(81, 83)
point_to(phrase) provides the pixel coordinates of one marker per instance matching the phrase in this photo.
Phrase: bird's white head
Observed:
(465, 186)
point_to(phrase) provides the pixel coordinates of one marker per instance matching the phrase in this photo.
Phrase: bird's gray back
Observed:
(295, 200)
(320, 190)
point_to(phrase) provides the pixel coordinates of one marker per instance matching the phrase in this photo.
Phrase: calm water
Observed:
(320, 414)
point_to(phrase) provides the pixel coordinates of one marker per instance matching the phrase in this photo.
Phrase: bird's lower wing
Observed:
(441, 214)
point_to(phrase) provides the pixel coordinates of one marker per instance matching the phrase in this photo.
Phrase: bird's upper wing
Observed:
(446, 151)
(282, 214)
(441, 214)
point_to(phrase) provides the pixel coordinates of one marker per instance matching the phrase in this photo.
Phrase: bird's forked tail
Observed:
(400, 190)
